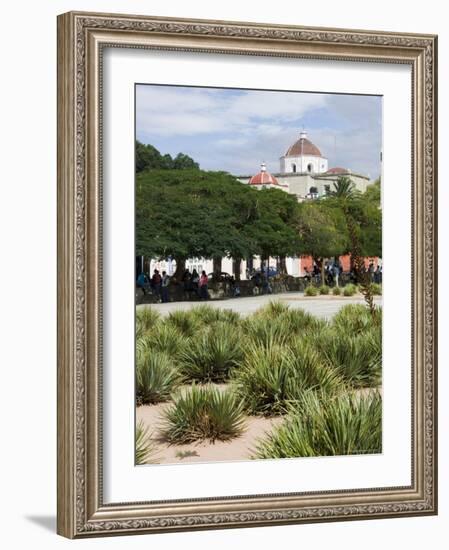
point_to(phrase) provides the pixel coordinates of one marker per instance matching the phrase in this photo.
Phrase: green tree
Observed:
(183, 162)
(322, 231)
(191, 213)
(149, 158)
(364, 227)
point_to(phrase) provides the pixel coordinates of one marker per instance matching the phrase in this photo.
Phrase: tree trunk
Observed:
(362, 276)
(283, 265)
(323, 282)
(180, 268)
(237, 266)
(264, 260)
(217, 267)
(250, 264)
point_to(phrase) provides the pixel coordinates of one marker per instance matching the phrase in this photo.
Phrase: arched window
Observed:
(293, 167)
(309, 168)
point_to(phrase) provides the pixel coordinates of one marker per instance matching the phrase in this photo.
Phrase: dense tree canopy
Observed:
(365, 212)
(149, 158)
(187, 212)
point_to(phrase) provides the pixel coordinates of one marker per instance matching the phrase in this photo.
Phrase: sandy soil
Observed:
(237, 449)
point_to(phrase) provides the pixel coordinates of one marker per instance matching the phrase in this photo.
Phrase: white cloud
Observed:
(174, 111)
(235, 130)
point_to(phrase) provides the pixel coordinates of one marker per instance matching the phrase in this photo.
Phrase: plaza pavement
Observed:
(321, 306)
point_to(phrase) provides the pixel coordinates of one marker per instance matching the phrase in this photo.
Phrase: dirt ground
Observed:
(236, 449)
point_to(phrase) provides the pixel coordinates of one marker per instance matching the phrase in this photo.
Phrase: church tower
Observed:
(303, 157)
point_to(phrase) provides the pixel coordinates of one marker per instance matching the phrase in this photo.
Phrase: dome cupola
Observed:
(303, 157)
(263, 177)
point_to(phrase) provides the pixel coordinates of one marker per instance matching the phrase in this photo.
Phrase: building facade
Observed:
(304, 172)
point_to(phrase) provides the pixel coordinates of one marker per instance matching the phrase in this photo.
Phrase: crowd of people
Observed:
(333, 270)
(193, 282)
(157, 285)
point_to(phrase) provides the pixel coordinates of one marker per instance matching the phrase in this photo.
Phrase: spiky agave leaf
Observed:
(324, 425)
(212, 354)
(145, 447)
(156, 377)
(203, 413)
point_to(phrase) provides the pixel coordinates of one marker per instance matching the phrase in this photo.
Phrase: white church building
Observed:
(304, 172)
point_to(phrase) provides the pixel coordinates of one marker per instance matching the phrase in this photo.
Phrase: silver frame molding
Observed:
(81, 39)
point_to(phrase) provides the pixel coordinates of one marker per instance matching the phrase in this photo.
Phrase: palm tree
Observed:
(344, 188)
(346, 195)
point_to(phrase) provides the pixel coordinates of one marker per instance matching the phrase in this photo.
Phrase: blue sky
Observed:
(236, 130)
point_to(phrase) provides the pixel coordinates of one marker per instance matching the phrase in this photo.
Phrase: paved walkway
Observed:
(321, 306)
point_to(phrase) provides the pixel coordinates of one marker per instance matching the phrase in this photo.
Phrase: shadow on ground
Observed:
(46, 522)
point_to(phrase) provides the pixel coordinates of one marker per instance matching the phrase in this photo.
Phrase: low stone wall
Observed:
(223, 290)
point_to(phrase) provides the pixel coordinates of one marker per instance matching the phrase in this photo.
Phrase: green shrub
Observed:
(146, 319)
(314, 373)
(297, 321)
(156, 377)
(145, 447)
(212, 353)
(164, 338)
(356, 318)
(266, 332)
(273, 310)
(203, 413)
(324, 425)
(206, 315)
(324, 289)
(311, 291)
(376, 289)
(273, 375)
(349, 290)
(184, 321)
(336, 291)
(356, 357)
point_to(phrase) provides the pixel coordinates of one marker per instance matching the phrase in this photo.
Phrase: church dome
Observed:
(263, 177)
(303, 146)
(338, 170)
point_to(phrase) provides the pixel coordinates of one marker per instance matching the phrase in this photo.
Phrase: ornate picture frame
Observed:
(82, 39)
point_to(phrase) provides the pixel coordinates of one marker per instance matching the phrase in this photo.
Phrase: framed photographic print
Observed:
(246, 274)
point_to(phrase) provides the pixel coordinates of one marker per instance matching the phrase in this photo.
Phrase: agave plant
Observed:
(349, 290)
(311, 291)
(274, 375)
(156, 377)
(184, 321)
(203, 413)
(272, 310)
(314, 373)
(357, 358)
(207, 315)
(166, 338)
(264, 332)
(264, 381)
(145, 448)
(324, 425)
(298, 322)
(146, 319)
(212, 354)
(356, 318)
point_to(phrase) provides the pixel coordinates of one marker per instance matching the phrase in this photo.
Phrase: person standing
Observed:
(164, 287)
(142, 282)
(202, 285)
(156, 281)
(194, 281)
(336, 273)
